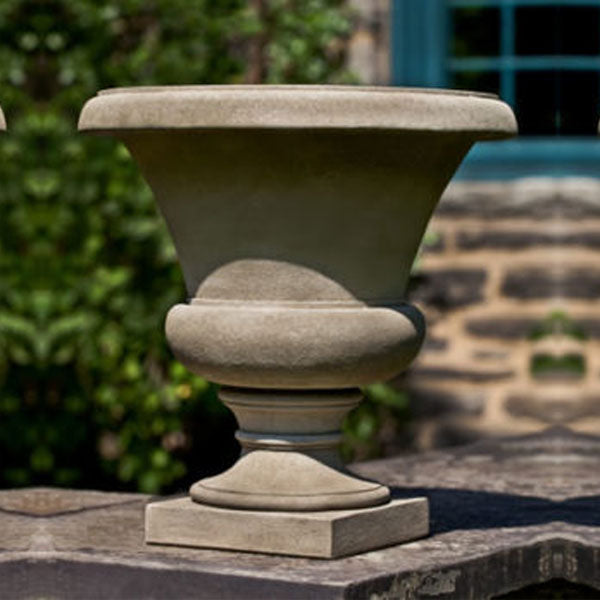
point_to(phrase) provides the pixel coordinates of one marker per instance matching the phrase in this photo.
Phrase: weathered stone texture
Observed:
(522, 240)
(533, 283)
(449, 288)
(472, 375)
(531, 198)
(434, 403)
(529, 283)
(590, 327)
(433, 344)
(506, 328)
(505, 515)
(563, 410)
(517, 278)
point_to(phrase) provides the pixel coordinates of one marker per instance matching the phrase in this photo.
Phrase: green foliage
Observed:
(383, 411)
(557, 323)
(430, 240)
(305, 41)
(546, 365)
(91, 395)
(564, 365)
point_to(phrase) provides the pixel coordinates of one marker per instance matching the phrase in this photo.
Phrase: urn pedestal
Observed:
(296, 213)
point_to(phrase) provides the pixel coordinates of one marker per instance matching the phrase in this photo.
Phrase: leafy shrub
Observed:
(91, 395)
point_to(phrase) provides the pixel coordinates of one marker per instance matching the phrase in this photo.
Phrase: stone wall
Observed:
(509, 280)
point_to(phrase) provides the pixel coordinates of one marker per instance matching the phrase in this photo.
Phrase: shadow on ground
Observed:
(452, 509)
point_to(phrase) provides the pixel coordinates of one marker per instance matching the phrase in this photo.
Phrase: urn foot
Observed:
(287, 481)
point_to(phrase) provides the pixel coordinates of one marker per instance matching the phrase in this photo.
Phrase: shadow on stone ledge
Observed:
(555, 589)
(465, 509)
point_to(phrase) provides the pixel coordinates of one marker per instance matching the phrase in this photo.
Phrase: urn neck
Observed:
(289, 454)
(291, 421)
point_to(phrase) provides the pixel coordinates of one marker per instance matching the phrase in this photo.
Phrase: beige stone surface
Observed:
(325, 534)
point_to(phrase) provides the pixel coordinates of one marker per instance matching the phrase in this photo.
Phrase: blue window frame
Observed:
(542, 57)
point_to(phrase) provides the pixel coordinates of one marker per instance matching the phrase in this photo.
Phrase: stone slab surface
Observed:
(504, 514)
(325, 534)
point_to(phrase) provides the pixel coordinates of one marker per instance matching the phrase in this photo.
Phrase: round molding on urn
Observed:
(298, 106)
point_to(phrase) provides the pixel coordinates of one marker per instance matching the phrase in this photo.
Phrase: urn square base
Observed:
(323, 534)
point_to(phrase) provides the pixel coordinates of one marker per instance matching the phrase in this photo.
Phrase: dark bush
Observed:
(91, 396)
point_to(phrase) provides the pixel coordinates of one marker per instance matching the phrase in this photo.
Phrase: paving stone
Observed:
(506, 328)
(532, 199)
(457, 374)
(502, 240)
(448, 288)
(522, 240)
(428, 402)
(535, 283)
(489, 354)
(590, 327)
(434, 344)
(581, 284)
(555, 411)
(453, 432)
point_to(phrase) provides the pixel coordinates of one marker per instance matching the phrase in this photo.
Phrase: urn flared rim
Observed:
(292, 107)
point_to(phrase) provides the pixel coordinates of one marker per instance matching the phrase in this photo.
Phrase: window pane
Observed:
(479, 81)
(579, 31)
(476, 32)
(578, 102)
(536, 108)
(547, 101)
(557, 102)
(535, 30)
(566, 30)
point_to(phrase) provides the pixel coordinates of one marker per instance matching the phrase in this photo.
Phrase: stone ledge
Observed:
(504, 514)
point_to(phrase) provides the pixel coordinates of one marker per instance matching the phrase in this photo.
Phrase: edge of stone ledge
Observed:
(347, 108)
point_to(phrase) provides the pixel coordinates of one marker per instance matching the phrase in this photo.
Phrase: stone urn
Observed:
(296, 212)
